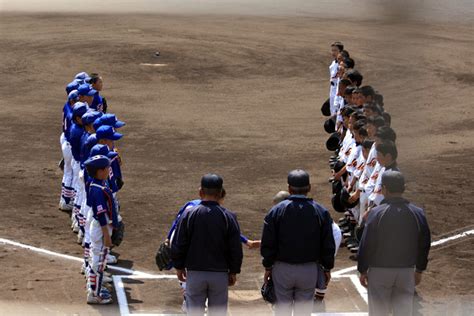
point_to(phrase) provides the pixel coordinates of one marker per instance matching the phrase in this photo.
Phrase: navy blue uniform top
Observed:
(75, 136)
(192, 203)
(298, 230)
(396, 235)
(207, 239)
(115, 174)
(102, 203)
(67, 120)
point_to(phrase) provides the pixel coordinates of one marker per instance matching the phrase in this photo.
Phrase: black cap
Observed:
(333, 141)
(330, 125)
(298, 178)
(394, 181)
(211, 181)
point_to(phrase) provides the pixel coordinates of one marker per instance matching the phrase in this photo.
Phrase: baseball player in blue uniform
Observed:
(73, 85)
(104, 219)
(97, 84)
(75, 136)
(86, 93)
(67, 190)
(97, 150)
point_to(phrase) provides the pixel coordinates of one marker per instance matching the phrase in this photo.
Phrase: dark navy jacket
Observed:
(396, 235)
(298, 230)
(207, 238)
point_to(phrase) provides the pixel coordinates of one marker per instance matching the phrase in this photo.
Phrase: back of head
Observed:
(298, 182)
(280, 196)
(386, 133)
(393, 181)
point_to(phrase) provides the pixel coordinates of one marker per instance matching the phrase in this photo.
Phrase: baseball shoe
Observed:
(355, 249)
(83, 269)
(98, 299)
(353, 257)
(183, 306)
(76, 228)
(111, 259)
(63, 206)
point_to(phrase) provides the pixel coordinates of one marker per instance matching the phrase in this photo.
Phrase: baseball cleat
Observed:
(97, 299)
(76, 228)
(106, 279)
(111, 259)
(80, 237)
(355, 249)
(63, 206)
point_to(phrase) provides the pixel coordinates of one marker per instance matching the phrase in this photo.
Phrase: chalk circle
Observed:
(153, 65)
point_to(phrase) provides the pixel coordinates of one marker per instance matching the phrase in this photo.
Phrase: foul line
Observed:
(68, 257)
(433, 244)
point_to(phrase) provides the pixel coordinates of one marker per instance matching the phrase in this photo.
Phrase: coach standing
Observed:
(206, 250)
(393, 250)
(297, 235)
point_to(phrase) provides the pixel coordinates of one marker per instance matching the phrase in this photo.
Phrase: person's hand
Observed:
(232, 279)
(267, 276)
(418, 276)
(181, 274)
(167, 242)
(327, 274)
(364, 279)
(337, 176)
(353, 198)
(366, 214)
(253, 244)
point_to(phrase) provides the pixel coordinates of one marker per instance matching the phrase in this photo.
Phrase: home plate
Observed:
(153, 65)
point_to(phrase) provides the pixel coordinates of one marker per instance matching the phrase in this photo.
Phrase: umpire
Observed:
(393, 250)
(206, 250)
(297, 235)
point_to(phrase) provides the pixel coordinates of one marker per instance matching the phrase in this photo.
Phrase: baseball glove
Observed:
(163, 257)
(268, 292)
(117, 234)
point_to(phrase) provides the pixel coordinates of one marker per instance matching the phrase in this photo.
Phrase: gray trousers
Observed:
(391, 290)
(294, 288)
(202, 285)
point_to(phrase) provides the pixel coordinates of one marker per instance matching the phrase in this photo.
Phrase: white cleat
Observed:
(76, 228)
(63, 206)
(97, 299)
(111, 259)
(106, 279)
(80, 237)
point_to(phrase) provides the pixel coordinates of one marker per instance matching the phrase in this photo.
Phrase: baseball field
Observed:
(237, 90)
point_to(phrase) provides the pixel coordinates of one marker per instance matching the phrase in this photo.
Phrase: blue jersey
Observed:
(75, 136)
(84, 153)
(89, 142)
(102, 203)
(67, 120)
(97, 103)
(191, 204)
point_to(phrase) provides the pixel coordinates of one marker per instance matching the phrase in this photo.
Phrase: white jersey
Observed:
(345, 146)
(351, 164)
(360, 164)
(376, 196)
(369, 187)
(368, 168)
(336, 231)
(333, 80)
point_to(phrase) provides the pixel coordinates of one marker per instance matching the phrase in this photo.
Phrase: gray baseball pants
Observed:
(202, 285)
(391, 290)
(294, 288)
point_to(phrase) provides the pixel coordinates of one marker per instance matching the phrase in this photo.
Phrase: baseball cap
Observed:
(85, 89)
(394, 181)
(212, 181)
(298, 178)
(103, 150)
(79, 109)
(108, 119)
(107, 132)
(73, 95)
(333, 141)
(90, 116)
(97, 162)
(81, 75)
(73, 85)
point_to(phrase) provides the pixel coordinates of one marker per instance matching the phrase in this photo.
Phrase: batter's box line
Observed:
(125, 311)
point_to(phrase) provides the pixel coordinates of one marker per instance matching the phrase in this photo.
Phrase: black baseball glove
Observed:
(268, 292)
(163, 257)
(117, 234)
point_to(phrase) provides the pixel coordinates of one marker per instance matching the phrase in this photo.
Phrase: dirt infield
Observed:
(239, 96)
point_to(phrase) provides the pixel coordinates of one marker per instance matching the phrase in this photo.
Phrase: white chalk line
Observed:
(433, 244)
(68, 257)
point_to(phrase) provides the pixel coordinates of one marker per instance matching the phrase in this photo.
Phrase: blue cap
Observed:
(107, 132)
(79, 109)
(90, 116)
(103, 150)
(86, 89)
(81, 75)
(97, 162)
(108, 119)
(212, 181)
(73, 96)
(73, 85)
